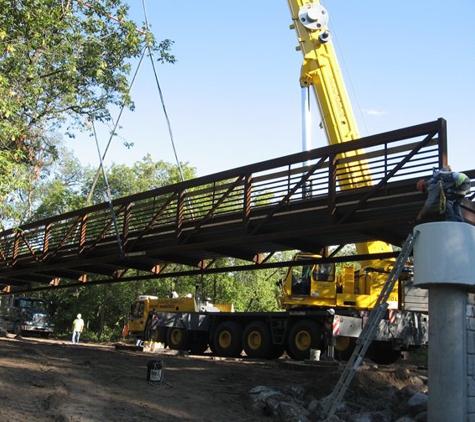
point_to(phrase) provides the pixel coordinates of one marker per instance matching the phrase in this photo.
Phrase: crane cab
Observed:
(309, 284)
(314, 285)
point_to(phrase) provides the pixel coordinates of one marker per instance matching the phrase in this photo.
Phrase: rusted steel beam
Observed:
(386, 178)
(300, 201)
(154, 218)
(48, 255)
(305, 177)
(213, 208)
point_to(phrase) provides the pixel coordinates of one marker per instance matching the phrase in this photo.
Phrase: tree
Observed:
(57, 190)
(61, 62)
(141, 176)
(65, 188)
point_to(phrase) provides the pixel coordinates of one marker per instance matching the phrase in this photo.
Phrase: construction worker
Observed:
(445, 191)
(78, 327)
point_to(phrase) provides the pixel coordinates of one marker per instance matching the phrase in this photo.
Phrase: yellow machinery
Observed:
(144, 305)
(318, 285)
(321, 71)
(322, 310)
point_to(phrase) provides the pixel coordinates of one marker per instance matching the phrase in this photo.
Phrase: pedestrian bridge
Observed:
(359, 191)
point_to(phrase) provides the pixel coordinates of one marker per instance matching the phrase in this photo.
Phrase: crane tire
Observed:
(227, 339)
(257, 340)
(198, 346)
(177, 339)
(344, 347)
(303, 336)
(212, 348)
(16, 329)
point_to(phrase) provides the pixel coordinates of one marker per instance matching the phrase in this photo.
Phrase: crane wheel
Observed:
(303, 336)
(16, 329)
(177, 339)
(257, 340)
(227, 339)
(344, 347)
(212, 348)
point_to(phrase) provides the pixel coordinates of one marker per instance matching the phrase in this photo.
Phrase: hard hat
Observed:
(79, 315)
(421, 185)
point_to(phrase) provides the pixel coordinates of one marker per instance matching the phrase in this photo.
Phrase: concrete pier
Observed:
(444, 263)
(447, 351)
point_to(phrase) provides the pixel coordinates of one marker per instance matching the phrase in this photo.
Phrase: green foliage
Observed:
(14, 178)
(246, 290)
(61, 62)
(64, 188)
(141, 176)
(105, 307)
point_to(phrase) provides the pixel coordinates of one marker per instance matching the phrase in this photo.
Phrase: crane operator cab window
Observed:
(302, 277)
(324, 272)
(137, 309)
(301, 280)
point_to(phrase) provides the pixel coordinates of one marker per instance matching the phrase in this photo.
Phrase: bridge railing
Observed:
(246, 197)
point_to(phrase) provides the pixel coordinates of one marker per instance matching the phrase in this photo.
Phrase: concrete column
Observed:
(444, 263)
(447, 363)
(470, 357)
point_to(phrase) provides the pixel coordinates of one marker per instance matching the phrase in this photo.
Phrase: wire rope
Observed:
(113, 132)
(108, 195)
(162, 99)
(148, 49)
(334, 33)
(160, 93)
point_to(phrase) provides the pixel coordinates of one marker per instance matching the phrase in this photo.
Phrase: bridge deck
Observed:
(305, 201)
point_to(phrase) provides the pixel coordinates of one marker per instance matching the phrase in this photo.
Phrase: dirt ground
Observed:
(51, 380)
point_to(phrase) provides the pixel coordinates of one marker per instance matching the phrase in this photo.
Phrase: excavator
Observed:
(323, 310)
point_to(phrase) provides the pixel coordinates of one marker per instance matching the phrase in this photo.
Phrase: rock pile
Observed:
(379, 404)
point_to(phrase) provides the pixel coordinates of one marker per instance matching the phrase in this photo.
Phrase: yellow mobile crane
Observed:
(322, 310)
(321, 71)
(314, 286)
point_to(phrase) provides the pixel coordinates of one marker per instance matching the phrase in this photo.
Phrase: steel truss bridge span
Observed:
(354, 192)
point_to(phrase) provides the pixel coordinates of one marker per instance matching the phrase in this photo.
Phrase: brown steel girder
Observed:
(298, 202)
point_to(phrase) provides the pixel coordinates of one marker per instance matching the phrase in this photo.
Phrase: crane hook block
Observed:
(313, 16)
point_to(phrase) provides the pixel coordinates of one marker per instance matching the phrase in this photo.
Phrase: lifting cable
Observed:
(147, 48)
(109, 196)
(113, 132)
(102, 157)
(101, 166)
(170, 132)
(342, 56)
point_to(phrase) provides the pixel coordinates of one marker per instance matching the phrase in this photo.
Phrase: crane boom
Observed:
(320, 70)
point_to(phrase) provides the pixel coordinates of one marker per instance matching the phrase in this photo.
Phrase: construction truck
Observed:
(144, 306)
(139, 312)
(25, 315)
(321, 309)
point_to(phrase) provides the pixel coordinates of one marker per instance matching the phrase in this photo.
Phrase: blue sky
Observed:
(233, 96)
